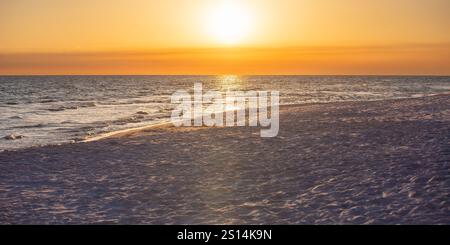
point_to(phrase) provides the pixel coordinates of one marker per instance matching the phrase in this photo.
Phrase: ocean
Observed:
(47, 110)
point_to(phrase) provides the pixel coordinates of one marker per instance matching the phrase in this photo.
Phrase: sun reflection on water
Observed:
(229, 82)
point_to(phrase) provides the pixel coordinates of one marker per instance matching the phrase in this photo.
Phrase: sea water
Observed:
(45, 110)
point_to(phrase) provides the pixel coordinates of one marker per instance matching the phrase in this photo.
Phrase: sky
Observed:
(225, 37)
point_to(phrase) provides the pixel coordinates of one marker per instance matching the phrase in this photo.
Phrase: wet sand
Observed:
(381, 162)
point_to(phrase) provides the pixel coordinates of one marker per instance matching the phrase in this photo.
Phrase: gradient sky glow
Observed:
(176, 37)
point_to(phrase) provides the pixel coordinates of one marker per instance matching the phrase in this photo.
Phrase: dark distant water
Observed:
(62, 109)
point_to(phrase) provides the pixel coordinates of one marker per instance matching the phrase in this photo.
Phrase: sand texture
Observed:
(383, 162)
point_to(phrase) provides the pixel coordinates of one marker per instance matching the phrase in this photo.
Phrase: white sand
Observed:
(384, 162)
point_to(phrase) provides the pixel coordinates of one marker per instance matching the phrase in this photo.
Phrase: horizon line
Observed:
(239, 75)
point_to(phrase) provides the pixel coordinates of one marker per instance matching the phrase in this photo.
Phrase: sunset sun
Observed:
(229, 23)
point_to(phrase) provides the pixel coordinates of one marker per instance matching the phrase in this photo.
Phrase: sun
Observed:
(229, 22)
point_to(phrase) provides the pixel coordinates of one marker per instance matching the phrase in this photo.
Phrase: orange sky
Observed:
(197, 37)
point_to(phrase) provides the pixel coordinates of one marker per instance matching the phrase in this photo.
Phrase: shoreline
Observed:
(380, 162)
(133, 130)
(124, 132)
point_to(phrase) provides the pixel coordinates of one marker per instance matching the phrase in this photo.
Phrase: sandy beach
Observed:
(379, 162)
